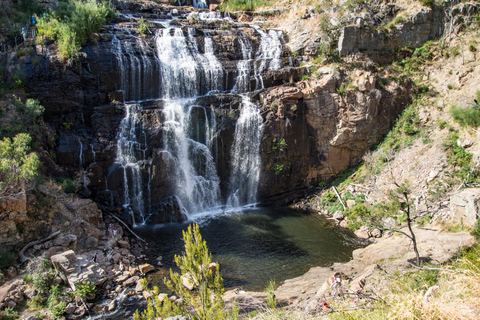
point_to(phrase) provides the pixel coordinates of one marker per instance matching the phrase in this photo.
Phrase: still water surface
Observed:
(256, 245)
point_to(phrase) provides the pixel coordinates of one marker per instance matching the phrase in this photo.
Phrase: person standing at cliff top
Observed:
(24, 34)
(33, 20)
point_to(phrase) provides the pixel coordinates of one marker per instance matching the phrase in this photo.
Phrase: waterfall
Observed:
(196, 183)
(246, 156)
(180, 67)
(131, 146)
(269, 53)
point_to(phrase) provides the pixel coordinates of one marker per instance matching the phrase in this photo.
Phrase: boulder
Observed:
(145, 268)
(338, 215)
(363, 232)
(376, 233)
(465, 206)
(112, 305)
(187, 282)
(130, 281)
(70, 308)
(75, 270)
(123, 244)
(350, 203)
(146, 295)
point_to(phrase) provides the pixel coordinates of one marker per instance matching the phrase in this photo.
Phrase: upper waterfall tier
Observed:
(185, 62)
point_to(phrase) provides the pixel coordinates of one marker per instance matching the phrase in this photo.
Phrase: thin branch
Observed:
(21, 254)
(339, 198)
(125, 225)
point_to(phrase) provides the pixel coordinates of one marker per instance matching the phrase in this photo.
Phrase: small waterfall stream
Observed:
(177, 71)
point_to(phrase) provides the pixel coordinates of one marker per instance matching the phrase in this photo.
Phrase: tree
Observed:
(198, 285)
(401, 194)
(17, 166)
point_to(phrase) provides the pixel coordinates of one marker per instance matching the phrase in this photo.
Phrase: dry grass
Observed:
(457, 294)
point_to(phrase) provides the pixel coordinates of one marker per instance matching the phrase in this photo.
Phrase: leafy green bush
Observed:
(142, 27)
(469, 116)
(73, 22)
(58, 309)
(85, 289)
(17, 166)
(459, 158)
(69, 185)
(6, 260)
(42, 282)
(8, 314)
(244, 5)
(196, 267)
(428, 3)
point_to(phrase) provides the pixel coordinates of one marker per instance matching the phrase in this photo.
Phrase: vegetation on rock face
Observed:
(245, 5)
(468, 116)
(17, 165)
(72, 23)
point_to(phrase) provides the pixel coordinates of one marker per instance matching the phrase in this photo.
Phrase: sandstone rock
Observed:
(389, 223)
(11, 272)
(465, 206)
(376, 233)
(131, 281)
(187, 282)
(70, 308)
(74, 270)
(343, 223)
(146, 295)
(162, 296)
(359, 282)
(145, 268)
(65, 240)
(112, 305)
(363, 233)
(29, 293)
(11, 304)
(338, 215)
(138, 287)
(123, 277)
(350, 203)
(123, 244)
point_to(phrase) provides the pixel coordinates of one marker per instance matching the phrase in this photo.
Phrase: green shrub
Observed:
(270, 293)
(85, 290)
(69, 185)
(17, 166)
(8, 314)
(428, 3)
(342, 90)
(469, 116)
(244, 5)
(142, 27)
(6, 260)
(58, 309)
(73, 22)
(205, 302)
(42, 281)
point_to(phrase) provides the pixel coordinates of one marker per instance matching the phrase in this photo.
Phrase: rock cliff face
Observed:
(310, 132)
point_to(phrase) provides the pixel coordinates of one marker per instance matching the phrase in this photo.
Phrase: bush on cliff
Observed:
(17, 165)
(72, 23)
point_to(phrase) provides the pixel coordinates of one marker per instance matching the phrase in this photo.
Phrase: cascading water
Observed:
(177, 72)
(246, 156)
(131, 146)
